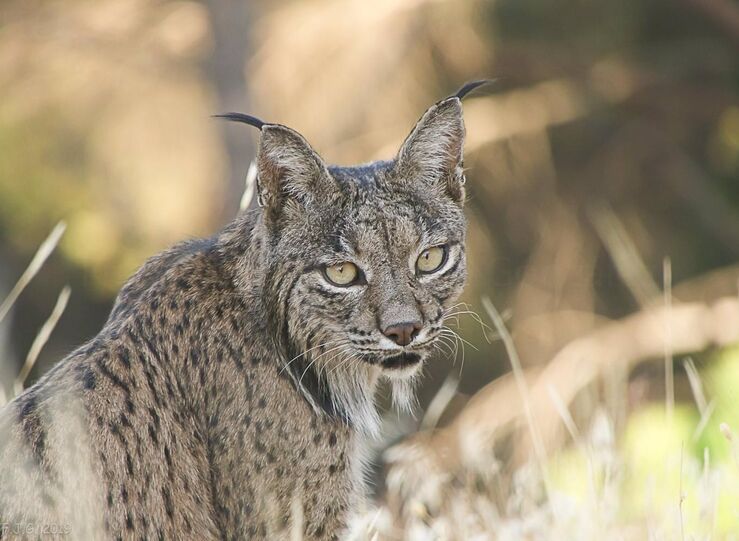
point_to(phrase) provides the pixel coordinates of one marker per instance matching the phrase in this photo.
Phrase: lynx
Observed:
(233, 382)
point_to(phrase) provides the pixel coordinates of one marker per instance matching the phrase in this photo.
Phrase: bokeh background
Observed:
(603, 173)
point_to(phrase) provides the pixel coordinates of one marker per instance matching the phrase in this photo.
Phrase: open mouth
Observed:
(402, 360)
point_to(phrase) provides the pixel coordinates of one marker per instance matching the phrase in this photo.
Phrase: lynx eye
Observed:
(342, 274)
(431, 259)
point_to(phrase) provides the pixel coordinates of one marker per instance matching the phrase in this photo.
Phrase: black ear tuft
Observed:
(244, 119)
(469, 87)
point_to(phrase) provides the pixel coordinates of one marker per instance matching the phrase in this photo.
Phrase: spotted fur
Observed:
(232, 381)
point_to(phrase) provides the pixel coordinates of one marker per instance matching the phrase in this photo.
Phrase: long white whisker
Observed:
(341, 353)
(484, 327)
(348, 356)
(473, 315)
(462, 342)
(460, 338)
(318, 357)
(447, 342)
(306, 352)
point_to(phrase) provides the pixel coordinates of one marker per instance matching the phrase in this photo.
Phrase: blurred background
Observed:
(603, 169)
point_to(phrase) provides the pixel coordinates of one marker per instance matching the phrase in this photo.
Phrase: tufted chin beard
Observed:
(353, 387)
(403, 391)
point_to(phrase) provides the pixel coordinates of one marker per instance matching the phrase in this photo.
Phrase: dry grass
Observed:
(645, 481)
(46, 248)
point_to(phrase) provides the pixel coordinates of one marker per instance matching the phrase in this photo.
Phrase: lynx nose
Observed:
(403, 333)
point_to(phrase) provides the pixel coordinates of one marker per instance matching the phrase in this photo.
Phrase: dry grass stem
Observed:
(441, 400)
(625, 256)
(41, 338)
(669, 370)
(523, 390)
(696, 386)
(39, 258)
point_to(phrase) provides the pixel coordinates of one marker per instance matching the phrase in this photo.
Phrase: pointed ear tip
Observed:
(274, 131)
(452, 105)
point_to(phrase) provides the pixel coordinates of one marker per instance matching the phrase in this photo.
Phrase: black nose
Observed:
(403, 333)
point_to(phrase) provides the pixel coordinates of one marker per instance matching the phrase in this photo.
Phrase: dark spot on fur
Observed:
(88, 378)
(153, 434)
(169, 508)
(124, 357)
(31, 424)
(116, 431)
(115, 380)
(154, 417)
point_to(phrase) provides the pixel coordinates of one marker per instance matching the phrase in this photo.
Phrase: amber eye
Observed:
(431, 259)
(342, 274)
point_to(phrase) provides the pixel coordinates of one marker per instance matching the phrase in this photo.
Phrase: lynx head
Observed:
(362, 262)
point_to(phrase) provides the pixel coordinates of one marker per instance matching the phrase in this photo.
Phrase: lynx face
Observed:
(380, 264)
(362, 262)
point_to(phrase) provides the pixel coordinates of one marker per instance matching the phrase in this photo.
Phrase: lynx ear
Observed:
(289, 170)
(433, 151)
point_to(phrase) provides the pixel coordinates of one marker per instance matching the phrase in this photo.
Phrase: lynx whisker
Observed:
(453, 345)
(306, 352)
(313, 361)
(344, 360)
(341, 354)
(461, 342)
(484, 327)
(447, 343)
